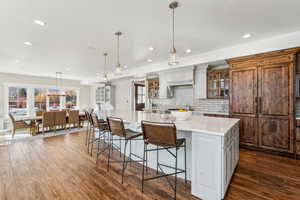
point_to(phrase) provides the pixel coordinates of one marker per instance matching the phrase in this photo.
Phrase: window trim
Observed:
(30, 96)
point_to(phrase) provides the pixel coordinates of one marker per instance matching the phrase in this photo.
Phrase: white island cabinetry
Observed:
(212, 150)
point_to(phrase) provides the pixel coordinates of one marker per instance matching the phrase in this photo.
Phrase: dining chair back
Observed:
(60, 118)
(48, 119)
(73, 117)
(39, 113)
(20, 124)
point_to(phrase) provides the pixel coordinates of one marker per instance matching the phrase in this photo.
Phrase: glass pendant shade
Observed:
(173, 57)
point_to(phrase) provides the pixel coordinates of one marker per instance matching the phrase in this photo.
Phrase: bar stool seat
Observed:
(131, 134)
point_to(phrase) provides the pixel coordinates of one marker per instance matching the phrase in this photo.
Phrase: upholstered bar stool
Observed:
(164, 137)
(116, 127)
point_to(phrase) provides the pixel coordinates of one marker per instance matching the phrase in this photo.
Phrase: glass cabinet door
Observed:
(218, 84)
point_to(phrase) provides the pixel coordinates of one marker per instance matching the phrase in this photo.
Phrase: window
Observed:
(71, 99)
(54, 99)
(40, 99)
(17, 101)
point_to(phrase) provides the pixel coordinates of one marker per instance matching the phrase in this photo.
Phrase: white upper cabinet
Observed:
(200, 82)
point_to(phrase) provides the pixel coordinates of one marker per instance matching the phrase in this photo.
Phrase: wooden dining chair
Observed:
(74, 118)
(19, 124)
(60, 119)
(39, 113)
(48, 121)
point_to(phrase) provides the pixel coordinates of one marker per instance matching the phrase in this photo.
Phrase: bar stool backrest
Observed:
(91, 119)
(116, 126)
(99, 123)
(161, 134)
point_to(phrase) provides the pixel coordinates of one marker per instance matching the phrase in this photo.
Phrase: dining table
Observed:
(34, 119)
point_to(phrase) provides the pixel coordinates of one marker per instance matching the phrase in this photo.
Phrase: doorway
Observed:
(140, 95)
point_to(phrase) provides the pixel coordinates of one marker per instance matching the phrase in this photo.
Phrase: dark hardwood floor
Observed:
(59, 168)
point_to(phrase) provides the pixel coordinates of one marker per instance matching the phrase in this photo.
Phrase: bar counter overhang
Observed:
(212, 149)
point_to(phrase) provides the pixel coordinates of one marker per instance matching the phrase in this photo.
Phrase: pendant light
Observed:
(105, 78)
(58, 85)
(173, 57)
(118, 66)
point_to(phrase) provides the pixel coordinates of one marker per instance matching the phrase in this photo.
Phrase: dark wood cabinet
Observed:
(218, 84)
(262, 96)
(248, 129)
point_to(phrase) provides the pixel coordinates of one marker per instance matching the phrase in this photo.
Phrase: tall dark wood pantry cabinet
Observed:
(262, 96)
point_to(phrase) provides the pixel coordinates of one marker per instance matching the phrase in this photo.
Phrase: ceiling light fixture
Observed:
(105, 78)
(151, 48)
(118, 66)
(28, 43)
(173, 57)
(58, 86)
(247, 35)
(149, 60)
(188, 51)
(39, 22)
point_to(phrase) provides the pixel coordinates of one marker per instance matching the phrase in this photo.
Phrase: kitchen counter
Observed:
(196, 123)
(212, 150)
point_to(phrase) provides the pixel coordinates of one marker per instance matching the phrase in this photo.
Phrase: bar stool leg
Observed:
(109, 150)
(143, 173)
(156, 159)
(175, 174)
(120, 148)
(124, 160)
(93, 138)
(98, 148)
(185, 162)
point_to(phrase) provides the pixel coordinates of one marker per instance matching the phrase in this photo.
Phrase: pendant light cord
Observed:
(173, 28)
(118, 47)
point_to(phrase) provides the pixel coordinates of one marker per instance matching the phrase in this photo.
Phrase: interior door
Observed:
(243, 105)
(275, 107)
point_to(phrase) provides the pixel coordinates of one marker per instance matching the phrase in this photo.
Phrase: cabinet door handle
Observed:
(257, 104)
(260, 104)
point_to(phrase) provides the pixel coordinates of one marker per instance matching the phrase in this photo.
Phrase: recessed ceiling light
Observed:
(28, 43)
(188, 51)
(149, 60)
(151, 48)
(125, 66)
(39, 22)
(247, 35)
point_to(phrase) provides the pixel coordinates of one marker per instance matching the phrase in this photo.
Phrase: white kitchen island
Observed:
(212, 150)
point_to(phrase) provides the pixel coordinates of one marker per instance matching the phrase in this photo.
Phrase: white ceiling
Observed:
(79, 31)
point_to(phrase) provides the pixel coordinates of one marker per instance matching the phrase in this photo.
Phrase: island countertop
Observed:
(196, 123)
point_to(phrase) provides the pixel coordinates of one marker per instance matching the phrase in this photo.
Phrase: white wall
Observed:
(122, 93)
(8, 78)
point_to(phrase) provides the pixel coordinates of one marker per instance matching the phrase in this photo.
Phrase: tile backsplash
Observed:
(212, 106)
